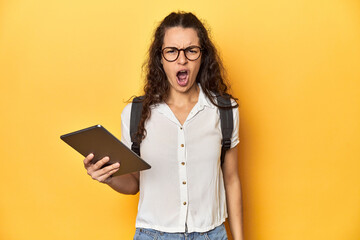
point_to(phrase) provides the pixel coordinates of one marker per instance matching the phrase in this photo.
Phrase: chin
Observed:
(185, 88)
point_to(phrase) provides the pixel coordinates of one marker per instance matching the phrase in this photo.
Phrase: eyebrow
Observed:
(180, 48)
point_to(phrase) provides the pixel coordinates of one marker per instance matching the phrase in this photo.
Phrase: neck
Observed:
(179, 98)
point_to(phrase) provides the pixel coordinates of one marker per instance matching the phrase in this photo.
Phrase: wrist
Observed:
(109, 180)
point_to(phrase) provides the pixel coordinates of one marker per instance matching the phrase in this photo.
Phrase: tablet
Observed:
(102, 143)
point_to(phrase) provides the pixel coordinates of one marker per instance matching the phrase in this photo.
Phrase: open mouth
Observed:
(182, 77)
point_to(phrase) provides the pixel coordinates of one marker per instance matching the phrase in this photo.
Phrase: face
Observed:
(182, 72)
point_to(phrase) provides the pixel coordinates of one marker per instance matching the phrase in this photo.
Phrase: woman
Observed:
(187, 194)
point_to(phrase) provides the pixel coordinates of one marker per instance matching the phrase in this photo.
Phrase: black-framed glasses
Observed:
(192, 53)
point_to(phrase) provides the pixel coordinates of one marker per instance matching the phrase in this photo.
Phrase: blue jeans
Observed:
(218, 233)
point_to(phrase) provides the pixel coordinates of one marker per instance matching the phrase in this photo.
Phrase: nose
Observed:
(182, 58)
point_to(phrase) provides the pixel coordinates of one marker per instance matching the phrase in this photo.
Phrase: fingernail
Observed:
(117, 164)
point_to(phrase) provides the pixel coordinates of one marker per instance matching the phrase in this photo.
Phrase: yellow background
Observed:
(294, 65)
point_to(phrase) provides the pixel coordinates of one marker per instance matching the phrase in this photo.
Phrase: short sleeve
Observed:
(235, 134)
(125, 125)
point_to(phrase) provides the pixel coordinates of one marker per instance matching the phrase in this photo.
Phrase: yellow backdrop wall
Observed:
(294, 65)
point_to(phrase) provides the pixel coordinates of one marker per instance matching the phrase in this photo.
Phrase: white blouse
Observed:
(184, 187)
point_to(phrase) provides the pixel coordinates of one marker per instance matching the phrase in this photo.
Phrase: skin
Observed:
(126, 184)
(233, 193)
(181, 100)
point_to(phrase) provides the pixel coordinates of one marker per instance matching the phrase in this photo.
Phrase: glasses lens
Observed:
(192, 53)
(170, 54)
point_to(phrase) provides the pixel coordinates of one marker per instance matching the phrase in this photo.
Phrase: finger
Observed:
(95, 174)
(93, 168)
(105, 170)
(106, 177)
(88, 159)
(100, 163)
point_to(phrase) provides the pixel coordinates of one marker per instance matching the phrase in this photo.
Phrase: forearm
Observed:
(125, 184)
(234, 205)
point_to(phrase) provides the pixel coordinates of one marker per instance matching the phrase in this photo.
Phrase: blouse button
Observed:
(180, 128)
(184, 182)
(182, 163)
(182, 145)
(184, 203)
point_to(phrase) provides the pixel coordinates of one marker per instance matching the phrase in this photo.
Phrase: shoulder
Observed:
(223, 101)
(234, 109)
(127, 110)
(216, 97)
(126, 114)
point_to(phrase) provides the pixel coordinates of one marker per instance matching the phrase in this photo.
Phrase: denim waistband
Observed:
(218, 233)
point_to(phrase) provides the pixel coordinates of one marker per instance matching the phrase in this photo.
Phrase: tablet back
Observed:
(102, 143)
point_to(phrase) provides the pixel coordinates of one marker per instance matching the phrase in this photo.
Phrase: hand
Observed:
(96, 172)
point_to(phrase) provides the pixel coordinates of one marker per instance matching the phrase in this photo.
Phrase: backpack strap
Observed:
(227, 125)
(136, 109)
(226, 119)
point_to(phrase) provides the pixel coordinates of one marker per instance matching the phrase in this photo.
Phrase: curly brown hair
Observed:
(210, 76)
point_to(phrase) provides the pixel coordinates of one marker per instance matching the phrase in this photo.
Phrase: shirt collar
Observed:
(203, 100)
